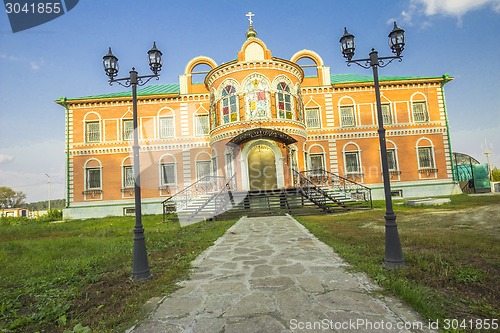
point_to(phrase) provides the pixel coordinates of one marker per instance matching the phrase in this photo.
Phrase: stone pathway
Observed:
(270, 274)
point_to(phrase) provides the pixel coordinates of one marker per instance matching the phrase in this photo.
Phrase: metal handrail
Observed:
(311, 191)
(180, 200)
(349, 187)
(224, 193)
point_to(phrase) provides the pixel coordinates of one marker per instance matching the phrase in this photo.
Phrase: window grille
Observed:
(93, 179)
(420, 114)
(202, 169)
(92, 131)
(128, 177)
(128, 129)
(386, 114)
(391, 160)
(166, 127)
(201, 125)
(352, 162)
(425, 158)
(312, 118)
(347, 118)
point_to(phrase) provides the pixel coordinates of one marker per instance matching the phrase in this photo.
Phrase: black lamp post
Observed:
(393, 254)
(140, 266)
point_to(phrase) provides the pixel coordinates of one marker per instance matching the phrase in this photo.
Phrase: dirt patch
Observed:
(483, 217)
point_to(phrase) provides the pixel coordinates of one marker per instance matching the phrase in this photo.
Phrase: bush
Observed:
(9, 220)
(52, 215)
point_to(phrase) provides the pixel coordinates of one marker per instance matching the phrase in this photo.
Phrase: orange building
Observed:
(257, 120)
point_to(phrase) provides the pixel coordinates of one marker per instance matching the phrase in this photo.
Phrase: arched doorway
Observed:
(262, 169)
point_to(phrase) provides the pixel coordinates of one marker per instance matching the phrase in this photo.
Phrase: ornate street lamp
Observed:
(393, 253)
(140, 266)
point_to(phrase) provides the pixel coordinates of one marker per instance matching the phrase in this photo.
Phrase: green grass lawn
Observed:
(57, 275)
(451, 253)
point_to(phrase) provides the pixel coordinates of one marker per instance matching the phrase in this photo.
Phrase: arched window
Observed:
(425, 156)
(93, 180)
(166, 123)
(92, 128)
(257, 98)
(229, 104)
(392, 160)
(284, 101)
(128, 180)
(419, 108)
(93, 175)
(352, 162)
(168, 174)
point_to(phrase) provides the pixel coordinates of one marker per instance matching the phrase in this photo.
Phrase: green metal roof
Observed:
(356, 78)
(169, 89)
(154, 89)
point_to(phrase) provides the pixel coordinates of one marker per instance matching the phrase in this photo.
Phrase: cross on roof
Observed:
(249, 15)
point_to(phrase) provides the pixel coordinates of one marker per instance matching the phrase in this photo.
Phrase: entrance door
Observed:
(262, 169)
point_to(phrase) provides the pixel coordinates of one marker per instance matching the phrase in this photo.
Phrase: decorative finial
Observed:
(251, 33)
(250, 15)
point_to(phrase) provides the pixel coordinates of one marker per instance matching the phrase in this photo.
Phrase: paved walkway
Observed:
(270, 274)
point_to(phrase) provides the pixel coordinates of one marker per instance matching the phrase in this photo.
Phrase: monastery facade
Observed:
(255, 120)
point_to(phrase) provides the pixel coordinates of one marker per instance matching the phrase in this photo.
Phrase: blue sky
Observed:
(64, 58)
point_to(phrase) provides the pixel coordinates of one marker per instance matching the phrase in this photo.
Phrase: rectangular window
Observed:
(352, 162)
(386, 114)
(201, 125)
(202, 169)
(347, 118)
(425, 158)
(312, 118)
(166, 127)
(92, 131)
(168, 174)
(420, 114)
(128, 177)
(93, 179)
(128, 129)
(391, 160)
(317, 162)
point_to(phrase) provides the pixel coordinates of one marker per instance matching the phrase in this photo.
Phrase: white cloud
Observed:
(5, 158)
(34, 64)
(455, 8)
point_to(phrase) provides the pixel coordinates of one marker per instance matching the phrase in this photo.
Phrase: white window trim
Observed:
(427, 115)
(221, 104)
(197, 126)
(209, 162)
(162, 177)
(391, 116)
(87, 132)
(354, 117)
(92, 193)
(318, 112)
(126, 120)
(165, 117)
(284, 93)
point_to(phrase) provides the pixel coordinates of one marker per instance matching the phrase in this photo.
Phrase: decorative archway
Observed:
(262, 166)
(262, 169)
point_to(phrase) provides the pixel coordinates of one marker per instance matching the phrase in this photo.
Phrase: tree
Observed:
(10, 198)
(495, 174)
